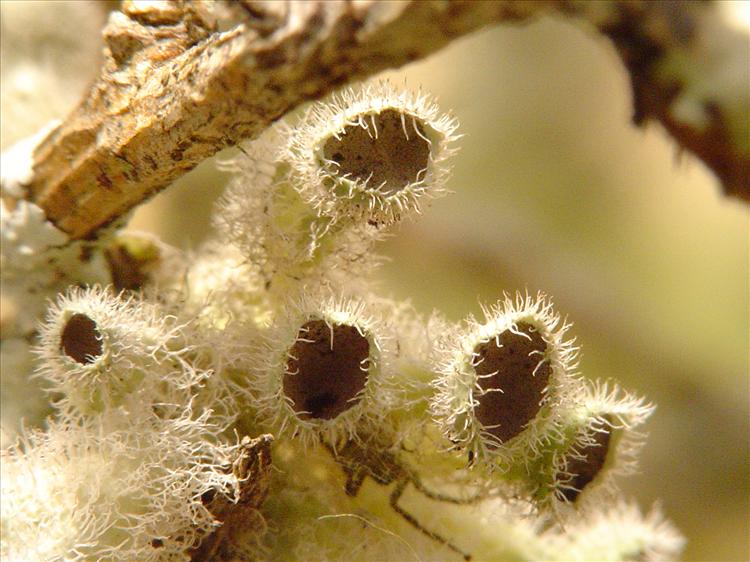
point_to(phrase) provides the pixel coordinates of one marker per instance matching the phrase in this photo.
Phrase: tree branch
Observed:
(181, 81)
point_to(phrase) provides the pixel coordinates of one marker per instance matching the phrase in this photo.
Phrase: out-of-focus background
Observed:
(556, 191)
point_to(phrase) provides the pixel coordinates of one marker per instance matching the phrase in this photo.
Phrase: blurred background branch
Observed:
(181, 81)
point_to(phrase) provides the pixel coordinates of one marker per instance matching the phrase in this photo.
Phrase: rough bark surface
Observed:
(242, 526)
(182, 80)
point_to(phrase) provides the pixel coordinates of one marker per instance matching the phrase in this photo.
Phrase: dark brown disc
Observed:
(521, 372)
(585, 469)
(80, 339)
(324, 375)
(391, 160)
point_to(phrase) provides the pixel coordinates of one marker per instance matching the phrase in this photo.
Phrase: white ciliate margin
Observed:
(276, 411)
(453, 404)
(80, 493)
(355, 200)
(619, 532)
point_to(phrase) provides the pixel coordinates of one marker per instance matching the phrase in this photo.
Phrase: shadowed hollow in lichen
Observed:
(80, 339)
(512, 374)
(389, 152)
(326, 371)
(584, 467)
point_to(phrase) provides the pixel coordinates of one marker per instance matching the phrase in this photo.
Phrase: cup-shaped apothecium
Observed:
(324, 371)
(100, 351)
(374, 153)
(502, 383)
(601, 443)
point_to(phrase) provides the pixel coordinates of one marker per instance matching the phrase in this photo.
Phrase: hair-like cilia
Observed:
(392, 435)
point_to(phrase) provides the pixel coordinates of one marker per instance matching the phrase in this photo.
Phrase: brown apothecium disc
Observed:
(391, 159)
(584, 469)
(514, 375)
(80, 339)
(324, 375)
